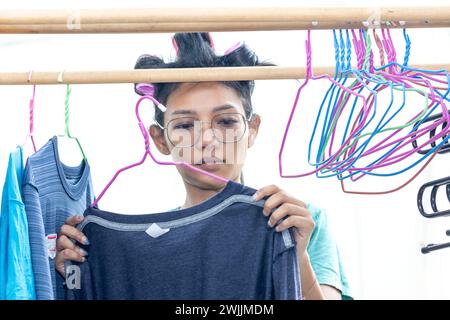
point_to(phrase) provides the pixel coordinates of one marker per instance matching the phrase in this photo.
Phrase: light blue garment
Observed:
(324, 255)
(16, 272)
(52, 192)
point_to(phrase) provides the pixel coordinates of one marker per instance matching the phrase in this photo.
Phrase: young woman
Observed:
(195, 128)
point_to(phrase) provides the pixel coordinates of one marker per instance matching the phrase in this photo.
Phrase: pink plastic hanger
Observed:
(149, 91)
(31, 106)
(395, 77)
(310, 76)
(392, 74)
(405, 78)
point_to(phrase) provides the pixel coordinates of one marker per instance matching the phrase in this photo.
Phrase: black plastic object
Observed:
(433, 247)
(445, 147)
(435, 184)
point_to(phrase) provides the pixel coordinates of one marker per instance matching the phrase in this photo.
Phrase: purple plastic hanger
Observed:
(310, 76)
(405, 78)
(149, 89)
(31, 107)
(396, 77)
(391, 55)
(360, 54)
(394, 80)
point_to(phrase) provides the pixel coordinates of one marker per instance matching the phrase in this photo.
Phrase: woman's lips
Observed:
(210, 165)
(212, 160)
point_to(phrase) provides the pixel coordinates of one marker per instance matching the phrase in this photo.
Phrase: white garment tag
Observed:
(51, 245)
(155, 231)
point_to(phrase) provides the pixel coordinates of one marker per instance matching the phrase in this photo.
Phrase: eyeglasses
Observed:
(185, 132)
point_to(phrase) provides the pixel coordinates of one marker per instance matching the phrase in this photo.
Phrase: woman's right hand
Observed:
(65, 244)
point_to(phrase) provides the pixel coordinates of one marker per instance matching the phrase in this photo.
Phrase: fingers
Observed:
(280, 204)
(73, 233)
(68, 254)
(63, 243)
(265, 191)
(74, 220)
(67, 250)
(288, 209)
(298, 222)
(278, 199)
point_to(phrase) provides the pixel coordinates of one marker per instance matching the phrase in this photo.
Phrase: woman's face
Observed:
(205, 125)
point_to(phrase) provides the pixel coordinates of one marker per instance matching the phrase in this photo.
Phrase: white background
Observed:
(379, 236)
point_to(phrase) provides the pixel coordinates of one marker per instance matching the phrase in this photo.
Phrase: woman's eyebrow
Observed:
(224, 107)
(183, 112)
(216, 109)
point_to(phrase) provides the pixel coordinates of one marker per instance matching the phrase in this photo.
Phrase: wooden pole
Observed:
(172, 75)
(219, 19)
(199, 27)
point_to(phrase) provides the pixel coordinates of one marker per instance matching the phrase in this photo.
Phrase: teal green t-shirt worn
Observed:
(324, 254)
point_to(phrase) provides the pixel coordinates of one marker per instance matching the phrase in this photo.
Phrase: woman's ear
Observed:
(253, 126)
(159, 139)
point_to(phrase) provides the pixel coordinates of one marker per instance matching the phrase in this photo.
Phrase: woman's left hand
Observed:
(286, 205)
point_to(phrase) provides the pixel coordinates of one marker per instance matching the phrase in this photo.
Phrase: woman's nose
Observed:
(207, 135)
(205, 132)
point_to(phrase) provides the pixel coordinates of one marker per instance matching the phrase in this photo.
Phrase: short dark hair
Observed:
(195, 50)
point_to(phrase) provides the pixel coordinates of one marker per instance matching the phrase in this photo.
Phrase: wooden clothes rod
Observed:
(162, 27)
(173, 75)
(219, 19)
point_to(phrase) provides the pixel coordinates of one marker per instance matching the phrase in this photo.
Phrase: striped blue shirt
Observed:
(52, 192)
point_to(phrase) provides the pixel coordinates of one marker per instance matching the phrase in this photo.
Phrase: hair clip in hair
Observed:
(233, 48)
(211, 41)
(145, 89)
(175, 45)
(148, 89)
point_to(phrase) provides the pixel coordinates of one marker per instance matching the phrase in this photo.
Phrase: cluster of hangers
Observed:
(368, 127)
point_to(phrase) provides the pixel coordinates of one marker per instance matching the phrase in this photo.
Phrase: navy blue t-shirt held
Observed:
(221, 248)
